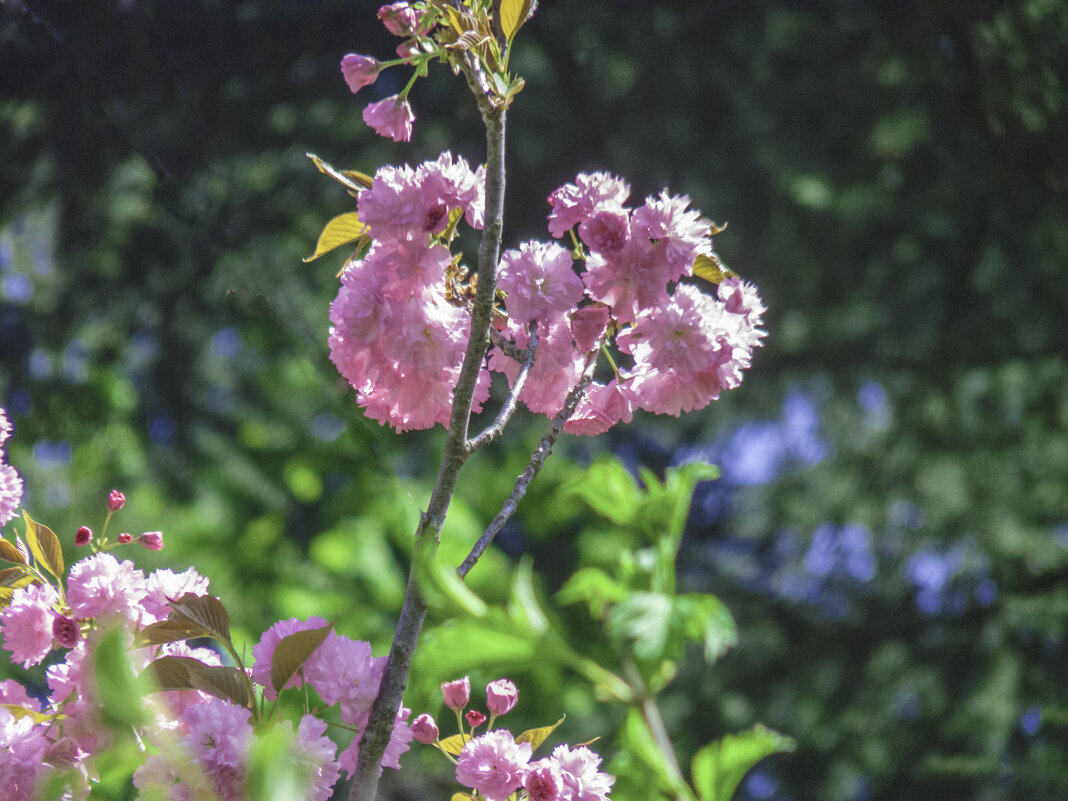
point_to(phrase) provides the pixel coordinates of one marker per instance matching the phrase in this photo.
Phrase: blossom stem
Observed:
(493, 432)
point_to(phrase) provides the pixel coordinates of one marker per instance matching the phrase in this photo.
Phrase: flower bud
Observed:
(399, 18)
(475, 718)
(153, 540)
(424, 729)
(456, 693)
(125, 538)
(65, 631)
(83, 536)
(501, 696)
(115, 501)
(359, 71)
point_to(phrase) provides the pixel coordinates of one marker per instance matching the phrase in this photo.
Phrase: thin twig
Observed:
(537, 460)
(493, 432)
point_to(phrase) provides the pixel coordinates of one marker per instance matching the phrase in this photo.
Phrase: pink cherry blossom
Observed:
(220, 736)
(163, 586)
(399, 18)
(557, 366)
(100, 585)
(544, 781)
(116, 500)
(23, 746)
(27, 623)
(399, 743)
(424, 729)
(602, 407)
(5, 428)
(540, 282)
(494, 764)
(581, 779)
(456, 693)
(316, 752)
(590, 194)
(11, 692)
(606, 231)
(677, 230)
(391, 117)
(589, 325)
(10, 492)
(153, 540)
(263, 652)
(501, 696)
(359, 71)
(343, 671)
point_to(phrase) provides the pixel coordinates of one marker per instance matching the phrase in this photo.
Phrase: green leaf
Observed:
(38, 717)
(593, 586)
(207, 612)
(609, 490)
(9, 553)
(719, 767)
(118, 689)
(462, 645)
(539, 735)
(44, 545)
(342, 230)
(442, 587)
(706, 619)
(173, 629)
(352, 179)
(709, 267)
(523, 606)
(454, 744)
(513, 14)
(293, 651)
(636, 739)
(274, 771)
(186, 673)
(645, 618)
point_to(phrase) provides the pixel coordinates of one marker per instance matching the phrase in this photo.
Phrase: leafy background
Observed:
(890, 529)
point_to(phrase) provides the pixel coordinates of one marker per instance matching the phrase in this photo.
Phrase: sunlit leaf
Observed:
(706, 619)
(719, 767)
(44, 545)
(513, 14)
(523, 606)
(461, 797)
(539, 735)
(342, 230)
(454, 744)
(173, 629)
(593, 586)
(206, 611)
(442, 586)
(38, 717)
(293, 651)
(350, 178)
(274, 773)
(709, 267)
(9, 553)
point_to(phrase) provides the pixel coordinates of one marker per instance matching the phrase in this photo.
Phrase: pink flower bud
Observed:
(501, 696)
(456, 693)
(359, 71)
(153, 540)
(65, 631)
(424, 729)
(391, 117)
(125, 538)
(475, 718)
(399, 18)
(116, 500)
(83, 536)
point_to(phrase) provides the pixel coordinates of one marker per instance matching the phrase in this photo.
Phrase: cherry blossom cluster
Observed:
(10, 483)
(400, 326)
(198, 742)
(495, 764)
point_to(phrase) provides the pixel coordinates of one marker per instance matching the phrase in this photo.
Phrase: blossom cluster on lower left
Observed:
(199, 725)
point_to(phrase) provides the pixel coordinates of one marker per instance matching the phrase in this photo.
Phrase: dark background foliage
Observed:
(891, 529)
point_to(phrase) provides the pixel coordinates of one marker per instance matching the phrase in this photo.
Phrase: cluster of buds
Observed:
(495, 765)
(465, 37)
(152, 540)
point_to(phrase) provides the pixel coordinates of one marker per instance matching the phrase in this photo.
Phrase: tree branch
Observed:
(493, 432)
(537, 460)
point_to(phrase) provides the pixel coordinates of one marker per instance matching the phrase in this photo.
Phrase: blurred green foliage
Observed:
(890, 529)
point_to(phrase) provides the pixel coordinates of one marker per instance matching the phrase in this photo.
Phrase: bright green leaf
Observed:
(513, 14)
(593, 586)
(442, 587)
(523, 607)
(539, 735)
(342, 230)
(706, 619)
(119, 691)
(709, 267)
(719, 767)
(645, 618)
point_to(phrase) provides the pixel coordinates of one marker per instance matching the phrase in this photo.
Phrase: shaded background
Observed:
(891, 529)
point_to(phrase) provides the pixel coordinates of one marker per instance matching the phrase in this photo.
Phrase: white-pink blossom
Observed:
(263, 652)
(220, 736)
(27, 623)
(391, 117)
(540, 282)
(163, 586)
(22, 746)
(101, 586)
(343, 671)
(494, 764)
(581, 778)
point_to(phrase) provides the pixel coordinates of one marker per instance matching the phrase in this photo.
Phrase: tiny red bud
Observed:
(115, 501)
(125, 538)
(65, 631)
(153, 540)
(83, 536)
(475, 718)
